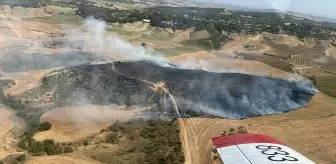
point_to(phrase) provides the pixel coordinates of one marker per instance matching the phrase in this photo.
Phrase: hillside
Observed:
(153, 81)
(176, 92)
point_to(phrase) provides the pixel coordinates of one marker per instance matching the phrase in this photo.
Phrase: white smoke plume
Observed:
(111, 48)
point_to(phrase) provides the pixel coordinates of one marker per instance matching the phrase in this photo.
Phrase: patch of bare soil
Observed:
(136, 26)
(200, 35)
(288, 40)
(197, 56)
(6, 12)
(75, 123)
(58, 160)
(331, 51)
(151, 44)
(7, 42)
(10, 127)
(24, 81)
(29, 26)
(249, 44)
(309, 130)
(180, 35)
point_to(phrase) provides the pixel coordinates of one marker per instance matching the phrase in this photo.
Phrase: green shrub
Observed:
(44, 126)
(35, 147)
(112, 138)
(68, 149)
(131, 137)
(21, 158)
(86, 142)
(231, 130)
(23, 145)
(51, 148)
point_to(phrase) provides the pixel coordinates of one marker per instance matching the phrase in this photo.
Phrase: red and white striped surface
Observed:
(256, 149)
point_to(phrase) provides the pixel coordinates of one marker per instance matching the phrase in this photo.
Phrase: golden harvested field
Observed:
(24, 81)
(309, 130)
(9, 123)
(75, 123)
(197, 56)
(58, 160)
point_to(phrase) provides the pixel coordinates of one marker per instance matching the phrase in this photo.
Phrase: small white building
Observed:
(287, 24)
(146, 20)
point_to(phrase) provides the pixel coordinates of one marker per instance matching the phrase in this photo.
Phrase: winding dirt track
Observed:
(310, 130)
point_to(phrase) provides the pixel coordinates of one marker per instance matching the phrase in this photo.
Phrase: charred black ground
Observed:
(195, 92)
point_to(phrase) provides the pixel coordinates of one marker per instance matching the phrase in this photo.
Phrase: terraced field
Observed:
(319, 61)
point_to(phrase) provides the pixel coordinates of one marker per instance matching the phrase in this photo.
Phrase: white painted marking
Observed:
(261, 153)
(232, 155)
(267, 153)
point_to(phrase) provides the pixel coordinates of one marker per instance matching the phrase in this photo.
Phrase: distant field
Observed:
(68, 19)
(168, 52)
(327, 84)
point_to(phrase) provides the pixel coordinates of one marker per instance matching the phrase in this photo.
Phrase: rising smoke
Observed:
(186, 87)
(214, 94)
(111, 48)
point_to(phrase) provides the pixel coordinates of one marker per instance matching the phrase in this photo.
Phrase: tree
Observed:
(68, 149)
(86, 142)
(35, 147)
(113, 138)
(21, 158)
(231, 130)
(44, 126)
(23, 145)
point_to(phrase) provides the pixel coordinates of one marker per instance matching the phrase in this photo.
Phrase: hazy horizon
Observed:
(325, 8)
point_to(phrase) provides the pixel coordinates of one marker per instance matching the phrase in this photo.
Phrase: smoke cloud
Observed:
(111, 48)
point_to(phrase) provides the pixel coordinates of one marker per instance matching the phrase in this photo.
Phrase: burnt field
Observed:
(177, 92)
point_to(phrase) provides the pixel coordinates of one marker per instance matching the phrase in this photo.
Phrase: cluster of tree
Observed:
(151, 142)
(48, 147)
(207, 18)
(45, 126)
